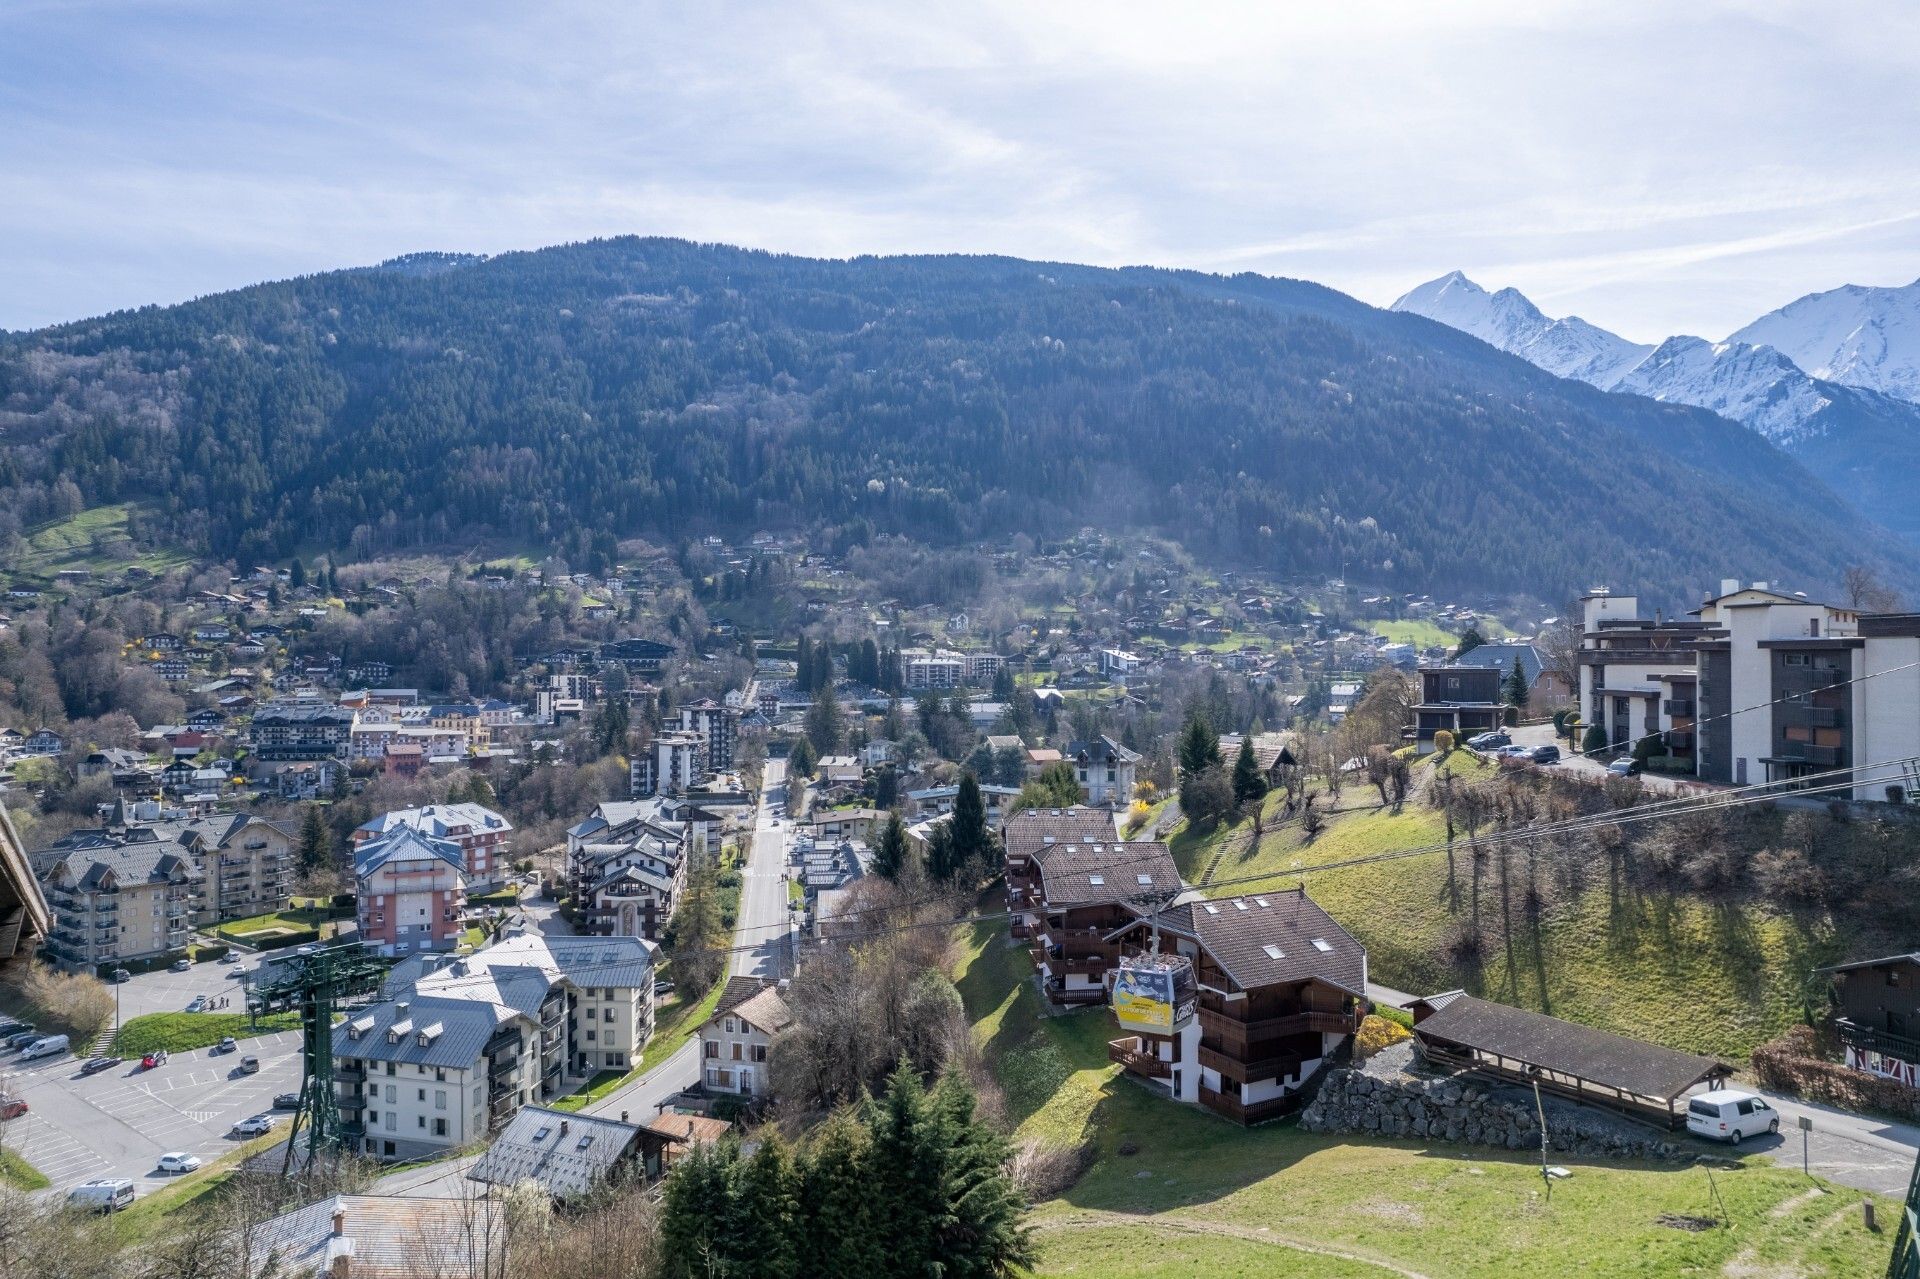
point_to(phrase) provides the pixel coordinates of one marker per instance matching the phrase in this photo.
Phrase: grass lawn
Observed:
(95, 539)
(473, 936)
(276, 924)
(1420, 634)
(674, 1022)
(508, 896)
(18, 1173)
(183, 1032)
(1203, 1196)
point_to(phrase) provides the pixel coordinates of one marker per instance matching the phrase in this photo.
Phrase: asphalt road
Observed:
(763, 929)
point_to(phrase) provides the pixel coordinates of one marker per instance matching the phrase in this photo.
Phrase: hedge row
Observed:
(1792, 1063)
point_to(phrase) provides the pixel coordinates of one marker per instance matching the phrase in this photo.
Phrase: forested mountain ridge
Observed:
(576, 394)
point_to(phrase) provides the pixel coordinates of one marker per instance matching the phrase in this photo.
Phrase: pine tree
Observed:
(1199, 747)
(886, 787)
(1468, 642)
(983, 1236)
(825, 725)
(803, 665)
(761, 1230)
(891, 852)
(841, 1225)
(942, 861)
(802, 759)
(1249, 787)
(1516, 690)
(315, 843)
(972, 837)
(697, 1201)
(1004, 686)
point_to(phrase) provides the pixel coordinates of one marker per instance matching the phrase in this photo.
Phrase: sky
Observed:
(1653, 167)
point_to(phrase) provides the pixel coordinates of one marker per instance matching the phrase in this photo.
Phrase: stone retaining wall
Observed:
(1448, 1110)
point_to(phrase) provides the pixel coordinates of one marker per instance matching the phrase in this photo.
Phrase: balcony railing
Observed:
(1126, 1052)
(1236, 1034)
(1806, 752)
(1812, 716)
(1231, 1106)
(1868, 1039)
(1243, 1071)
(1682, 707)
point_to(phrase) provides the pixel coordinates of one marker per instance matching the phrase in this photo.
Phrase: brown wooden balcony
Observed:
(1126, 1052)
(1234, 1035)
(1248, 1071)
(1259, 1112)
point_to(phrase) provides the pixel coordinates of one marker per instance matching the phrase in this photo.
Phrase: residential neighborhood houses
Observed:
(598, 898)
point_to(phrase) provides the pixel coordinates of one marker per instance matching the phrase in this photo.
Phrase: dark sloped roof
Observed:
(1268, 939)
(1597, 1056)
(1032, 832)
(1087, 874)
(1909, 957)
(739, 990)
(568, 1153)
(1238, 931)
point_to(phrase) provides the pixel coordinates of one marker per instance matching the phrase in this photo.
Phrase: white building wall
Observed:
(1886, 716)
(1749, 732)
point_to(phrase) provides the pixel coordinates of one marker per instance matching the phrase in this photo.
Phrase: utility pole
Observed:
(339, 974)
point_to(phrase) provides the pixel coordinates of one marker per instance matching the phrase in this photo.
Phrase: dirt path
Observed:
(1093, 1219)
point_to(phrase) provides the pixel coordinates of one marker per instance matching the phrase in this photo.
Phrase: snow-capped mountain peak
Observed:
(1756, 385)
(1568, 347)
(1858, 335)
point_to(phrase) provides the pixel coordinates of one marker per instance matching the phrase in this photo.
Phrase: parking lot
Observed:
(119, 1122)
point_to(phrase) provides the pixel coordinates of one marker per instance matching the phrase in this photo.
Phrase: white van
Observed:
(103, 1194)
(1729, 1115)
(51, 1046)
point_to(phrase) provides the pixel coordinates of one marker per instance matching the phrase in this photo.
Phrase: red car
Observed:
(12, 1107)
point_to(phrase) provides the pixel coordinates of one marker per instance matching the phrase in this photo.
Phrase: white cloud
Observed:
(1656, 168)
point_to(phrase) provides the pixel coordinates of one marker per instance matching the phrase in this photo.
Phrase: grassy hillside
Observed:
(1198, 1195)
(1706, 976)
(97, 539)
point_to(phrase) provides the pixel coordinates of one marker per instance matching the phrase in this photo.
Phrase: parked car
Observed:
(257, 1126)
(149, 1061)
(232, 958)
(13, 1026)
(1514, 752)
(249, 1065)
(20, 1038)
(662, 987)
(1488, 741)
(226, 1045)
(1729, 1115)
(12, 1108)
(286, 1101)
(175, 1162)
(1624, 768)
(97, 1064)
(120, 975)
(45, 1046)
(197, 1004)
(102, 1194)
(180, 965)
(1546, 754)
(307, 950)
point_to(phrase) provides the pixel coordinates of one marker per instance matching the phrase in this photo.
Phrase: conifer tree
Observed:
(841, 1231)
(1199, 747)
(1249, 787)
(315, 844)
(972, 837)
(761, 1232)
(890, 853)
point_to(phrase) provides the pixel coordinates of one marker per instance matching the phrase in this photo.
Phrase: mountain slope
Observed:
(1860, 441)
(653, 387)
(1854, 335)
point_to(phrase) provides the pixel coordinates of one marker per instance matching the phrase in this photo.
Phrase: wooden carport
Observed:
(1513, 1045)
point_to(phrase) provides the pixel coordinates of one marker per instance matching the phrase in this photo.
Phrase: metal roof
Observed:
(568, 1153)
(465, 1027)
